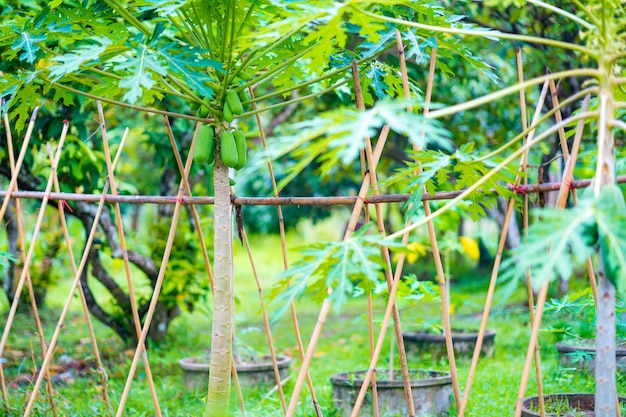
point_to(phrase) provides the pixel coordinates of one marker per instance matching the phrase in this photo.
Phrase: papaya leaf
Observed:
(141, 66)
(555, 246)
(84, 54)
(610, 219)
(341, 266)
(27, 43)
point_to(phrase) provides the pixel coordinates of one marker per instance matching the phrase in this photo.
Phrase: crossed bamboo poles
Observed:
(369, 181)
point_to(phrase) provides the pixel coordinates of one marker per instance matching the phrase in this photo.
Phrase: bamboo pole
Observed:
(445, 302)
(566, 156)
(60, 323)
(290, 201)
(308, 357)
(29, 283)
(18, 166)
(496, 266)
(266, 321)
(31, 248)
(72, 259)
(541, 299)
(158, 284)
(529, 282)
(389, 276)
(358, 94)
(122, 242)
(283, 241)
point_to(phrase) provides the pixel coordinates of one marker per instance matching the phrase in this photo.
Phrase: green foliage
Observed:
(440, 171)
(561, 240)
(340, 266)
(337, 136)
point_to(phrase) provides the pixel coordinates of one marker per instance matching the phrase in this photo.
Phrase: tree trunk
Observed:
(223, 305)
(606, 389)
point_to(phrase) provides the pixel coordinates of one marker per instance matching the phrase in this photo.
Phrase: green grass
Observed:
(344, 346)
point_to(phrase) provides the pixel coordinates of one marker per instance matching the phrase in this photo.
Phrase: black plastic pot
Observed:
(432, 393)
(257, 372)
(463, 342)
(562, 405)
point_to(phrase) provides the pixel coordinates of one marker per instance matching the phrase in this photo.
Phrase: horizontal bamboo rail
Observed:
(285, 201)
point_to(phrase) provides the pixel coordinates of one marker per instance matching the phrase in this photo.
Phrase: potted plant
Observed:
(576, 344)
(564, 405)
(253, 369)
(431, 391)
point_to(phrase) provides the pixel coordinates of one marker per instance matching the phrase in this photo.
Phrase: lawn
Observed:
(343, 347)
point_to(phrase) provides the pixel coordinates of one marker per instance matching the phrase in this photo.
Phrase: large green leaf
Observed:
(342, 266)
(611, 222)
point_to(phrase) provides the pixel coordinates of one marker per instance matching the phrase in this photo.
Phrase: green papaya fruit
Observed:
(232, 99)
(242, 148)
(204, 152)
(228, 114)
(228, 149)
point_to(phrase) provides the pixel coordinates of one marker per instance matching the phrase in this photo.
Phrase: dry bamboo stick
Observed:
(18, 165)
(123, 247)
(266, 321)
(566, 156)
(60, 323)
(158, 284)
(31, 248)
(78, 273)
(560, 204)
(92, 335)
(445, 303)
(283, 241)
(29, 283)
(406, 378)
(529, 283)
(496, 266)
(289, 201)
(366, 218)
(306, 362)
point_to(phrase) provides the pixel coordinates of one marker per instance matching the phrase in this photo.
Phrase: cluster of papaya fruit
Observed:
(233, 147)
(232, 143)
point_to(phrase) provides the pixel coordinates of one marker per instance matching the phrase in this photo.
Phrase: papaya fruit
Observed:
(228, 114)
(242, 148)
(232, 99)
(228, 149)
(204, 152)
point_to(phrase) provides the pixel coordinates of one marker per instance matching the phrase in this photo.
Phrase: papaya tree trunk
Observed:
(606, 390)
(223, 305)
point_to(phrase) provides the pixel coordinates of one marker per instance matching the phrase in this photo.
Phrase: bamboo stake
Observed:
(496, 266)
(60, 323)
(266, 321)
(283, 241)
(203, 247)
(31, 248)
(445, 302)
(566, 156)
(306, 362)
(529, 283)
(29, 283)
(122, 242)
(72, 259)
(18, 166)
(158, 284)
(560, 204)
(291, 201)
(389, 276)
(358, 93)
